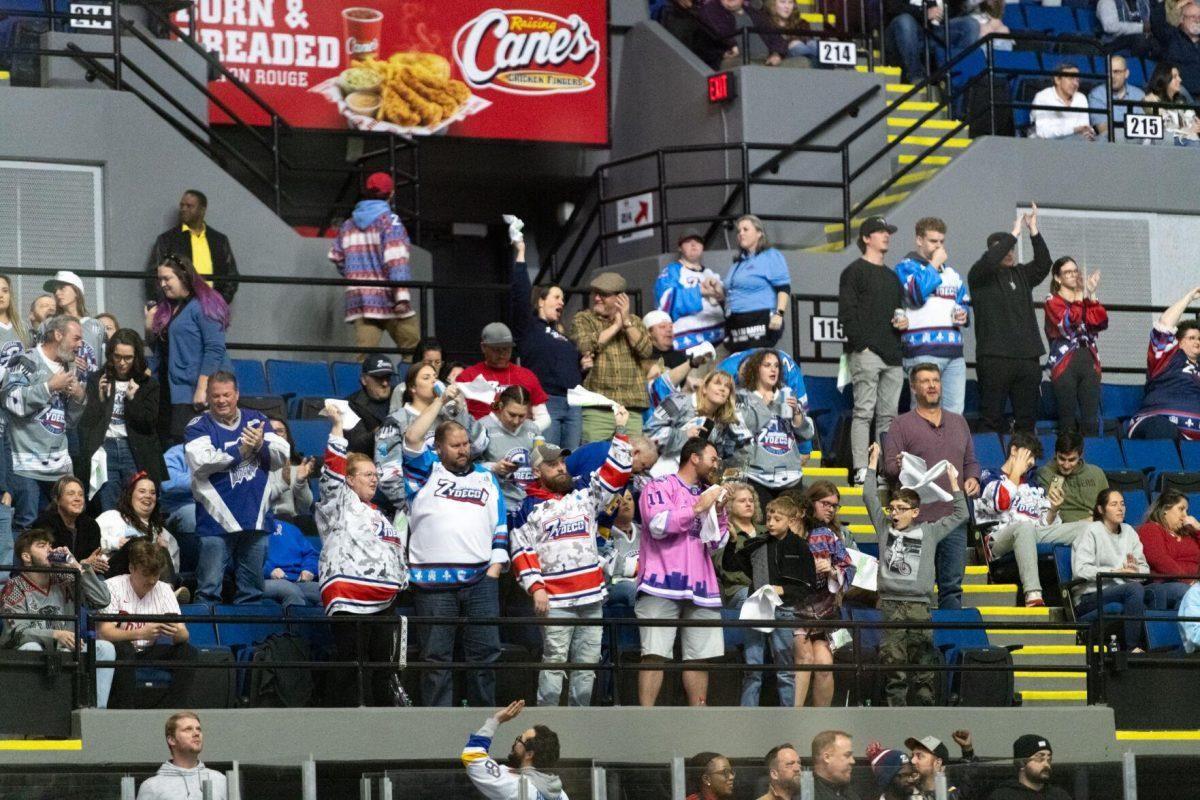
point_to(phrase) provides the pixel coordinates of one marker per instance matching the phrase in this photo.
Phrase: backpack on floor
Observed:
(991, 688)
(283, 687)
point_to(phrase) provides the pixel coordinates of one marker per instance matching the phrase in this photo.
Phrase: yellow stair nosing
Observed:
(930, 141)
(1051, 650)
(977, 569)
(41, 744)
(852, 511)
(1050, 675)
(989, 588)
(815, 455)
(828, 247)
(917, 176)
(1158, 736)
(1030, 632)
(908, 158)
(898, 88)
(1013, 611)
(1041, 695)
(887, 200)
(850, 491)
(861, 528)
(819, 19)
(938, 124)
(879, 70)
(826, 472)
(918, 105)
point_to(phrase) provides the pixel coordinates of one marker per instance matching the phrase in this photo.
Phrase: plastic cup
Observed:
(361, 30)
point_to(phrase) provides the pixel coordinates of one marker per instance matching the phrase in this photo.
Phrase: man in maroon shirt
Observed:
(497, 368)
(934, 434)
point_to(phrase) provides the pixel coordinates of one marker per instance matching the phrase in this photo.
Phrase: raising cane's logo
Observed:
(527, 52)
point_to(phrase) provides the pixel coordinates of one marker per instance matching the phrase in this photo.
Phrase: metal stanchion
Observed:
(678, 779)
(599, 784)
(128, 788)
(233, 783)
(308, 779)
(1129, 775)
(939, 785)
(364, 788)
(808, 789)
(385, 788)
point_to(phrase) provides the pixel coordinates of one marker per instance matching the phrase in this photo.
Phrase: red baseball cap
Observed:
(379, 184)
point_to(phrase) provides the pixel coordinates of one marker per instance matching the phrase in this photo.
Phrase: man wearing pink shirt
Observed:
(676, 578)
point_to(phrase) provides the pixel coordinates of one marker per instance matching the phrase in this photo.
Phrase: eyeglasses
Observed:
(834, 504)
(118, 357)
(1042, 757)
(372, 475)
(520, 740)
(727, 772)
(897, 509)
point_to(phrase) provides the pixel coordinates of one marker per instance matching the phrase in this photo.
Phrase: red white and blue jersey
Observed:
(1072, 328)
(457, 524)
(555, 548)
(232, 494)
(1172, 385)
(1005, 502)
(697, 319)
(931, 296)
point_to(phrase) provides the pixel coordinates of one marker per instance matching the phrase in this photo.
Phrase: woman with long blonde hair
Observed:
(710, 412)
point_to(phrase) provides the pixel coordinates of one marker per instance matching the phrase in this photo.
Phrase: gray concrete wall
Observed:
(978, 194)
(622, 734)
(147, 165)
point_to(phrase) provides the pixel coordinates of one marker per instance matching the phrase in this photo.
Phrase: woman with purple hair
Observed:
(186, 333)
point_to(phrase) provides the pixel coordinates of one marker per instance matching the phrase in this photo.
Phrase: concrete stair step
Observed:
(933, 124)
(908, 158)
(1032, 637)
(988, 595)
(882, 70)
(975, 575)
(1049, 681)
(929, 141)
(1077, 697)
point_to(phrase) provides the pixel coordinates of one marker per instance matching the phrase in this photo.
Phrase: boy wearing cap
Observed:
(496, 342)
(373, 246)
(692, 296)
(907, 565)
(1008, 342)
(1034, 761)
(869, 295)
(556, 560)
(618, 342)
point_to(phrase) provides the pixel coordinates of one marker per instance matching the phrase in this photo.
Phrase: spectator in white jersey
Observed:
(692, 294)
(534, 751)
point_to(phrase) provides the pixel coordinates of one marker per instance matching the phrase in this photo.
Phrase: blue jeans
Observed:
(246, 550)
(121, 470)
(566, 423)
(781, 653)
(1131, 596)
(292, 593)
(29, 498)
(480, 643)
(954, 379)
(906, 38)
(951, 563)
(622, 593)
(1166, 596)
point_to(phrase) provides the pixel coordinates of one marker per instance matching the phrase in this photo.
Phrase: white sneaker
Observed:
(860, 477)
(515, 227)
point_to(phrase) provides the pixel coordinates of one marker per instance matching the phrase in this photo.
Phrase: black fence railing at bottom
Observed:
(857, 663)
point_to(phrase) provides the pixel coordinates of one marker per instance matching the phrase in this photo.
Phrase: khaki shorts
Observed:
(698, 643)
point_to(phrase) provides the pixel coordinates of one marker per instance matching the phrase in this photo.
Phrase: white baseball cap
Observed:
(656, 317)
(61, 277)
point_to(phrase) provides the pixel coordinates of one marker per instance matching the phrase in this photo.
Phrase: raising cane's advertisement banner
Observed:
(526, 69)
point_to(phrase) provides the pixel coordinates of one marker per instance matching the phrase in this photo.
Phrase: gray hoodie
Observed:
(174, 783)
(907, 558)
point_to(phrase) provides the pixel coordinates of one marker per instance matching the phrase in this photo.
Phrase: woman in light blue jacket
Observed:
(186, 331)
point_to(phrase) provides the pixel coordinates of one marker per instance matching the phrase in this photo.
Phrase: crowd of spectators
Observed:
(663, 472)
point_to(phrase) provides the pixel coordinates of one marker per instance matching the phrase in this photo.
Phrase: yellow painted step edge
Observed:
(1040, 695)
(908, 158)
(1013, 611)
(989, 588)
(815, 455)
(930, 141)
(850, 491)
(898, 88)
(852, 511)
(826, 472)
(861, 529)
(1158, 736)
(1051, 675)
(918, 105)
(881, 70)
(41, 744)
(826, 19)
(919, 176)
(938, 124)
(829, 247)
(1031, 632)
(977, 569)
(1050, 650)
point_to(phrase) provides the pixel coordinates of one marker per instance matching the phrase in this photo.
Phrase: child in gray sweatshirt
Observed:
(907, 554)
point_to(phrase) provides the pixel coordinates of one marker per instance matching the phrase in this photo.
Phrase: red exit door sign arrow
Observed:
(722, 87)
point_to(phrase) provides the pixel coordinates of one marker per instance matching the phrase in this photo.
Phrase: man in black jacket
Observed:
(1008, 343)
(869, 294)
(1034, 760)
(371, 403)
(207, 248)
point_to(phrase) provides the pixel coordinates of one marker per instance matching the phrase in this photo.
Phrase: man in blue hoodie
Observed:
(374, 246)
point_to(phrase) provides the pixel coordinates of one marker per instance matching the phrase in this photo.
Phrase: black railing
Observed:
(113, 66)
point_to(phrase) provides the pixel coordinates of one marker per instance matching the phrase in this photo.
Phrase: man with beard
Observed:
(555, 557)
(933, 433)
(895, 775)
(1033, 758)
(929, 757)
(535, 750)
(833, 766)
(676, 576)
(783, 769)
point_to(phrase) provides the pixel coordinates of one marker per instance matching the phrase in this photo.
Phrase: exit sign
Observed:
(721, 87)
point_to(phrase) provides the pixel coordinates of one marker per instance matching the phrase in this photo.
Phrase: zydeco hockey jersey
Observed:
(555, 549)
(498, 782)
(675, 562)
(457, 524)
(1172, 385)
(231, 494)
(1006, 502)
(389, 444)
(697, 318)
(362, 556)
(38, 419)
(931, 297)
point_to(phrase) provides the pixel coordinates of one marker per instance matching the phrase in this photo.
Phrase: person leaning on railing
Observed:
(362, 567)
(1181, 125)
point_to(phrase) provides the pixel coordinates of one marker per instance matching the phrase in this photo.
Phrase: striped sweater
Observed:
(555, 549)
(373, 246)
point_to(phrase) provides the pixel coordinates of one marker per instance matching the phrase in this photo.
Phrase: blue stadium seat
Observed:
(1120, 401)
(1047, 440)
(974, 63)
(869, 638)
(1052, 19)
(1104, 452)
(1136, 505)
(345, 377)
(241, 636)
(299, 378)
(1190, 451)
(1017, 62)
(310, 435)
(953, 641)
(988, 450)
(971, 399)
(1152, 455)
(252, 379)
(1163, 636)
(1014, 17)
(735, 637)
(200, 634)
(1085, 20)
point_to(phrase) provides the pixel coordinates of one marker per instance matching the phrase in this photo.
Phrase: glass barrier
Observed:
(52, 785)
(437, 784)
(636, 781)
